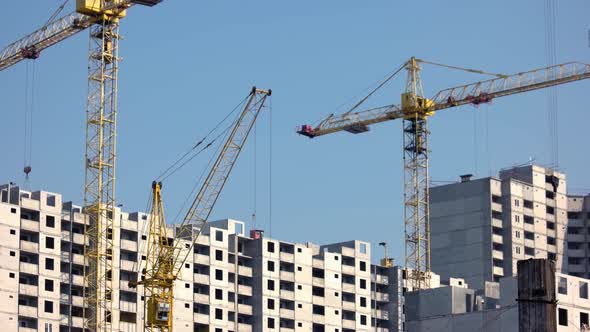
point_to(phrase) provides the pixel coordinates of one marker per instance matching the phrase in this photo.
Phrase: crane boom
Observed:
(30, 46)
(165, 260)
(201, 208)
(484, 91)
(474, 93)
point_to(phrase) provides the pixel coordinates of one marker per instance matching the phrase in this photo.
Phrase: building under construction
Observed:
(239, 280)
(96, 268)
(482, 227)
(233, 281)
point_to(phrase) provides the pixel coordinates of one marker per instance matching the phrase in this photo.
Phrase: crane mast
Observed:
(102, 18)
(165, 258)
(99, 188)
(158, 280)
(414, 111)
(416, 212)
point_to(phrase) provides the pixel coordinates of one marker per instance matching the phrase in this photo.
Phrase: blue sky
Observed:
(187, 63)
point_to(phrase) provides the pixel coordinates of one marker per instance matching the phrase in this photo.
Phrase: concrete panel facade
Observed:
(231, 282)
(481, 228)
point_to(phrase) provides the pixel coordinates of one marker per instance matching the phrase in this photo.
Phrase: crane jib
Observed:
(30, 46)
(474, 93)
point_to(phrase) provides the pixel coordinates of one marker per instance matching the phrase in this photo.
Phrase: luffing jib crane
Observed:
(102, 18)
(165, 257)
(414, 111)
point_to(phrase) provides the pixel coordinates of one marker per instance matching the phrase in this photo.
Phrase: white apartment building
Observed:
(481, 228)
(232, 282)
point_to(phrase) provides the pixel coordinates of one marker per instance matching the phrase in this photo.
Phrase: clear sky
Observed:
(187, 63)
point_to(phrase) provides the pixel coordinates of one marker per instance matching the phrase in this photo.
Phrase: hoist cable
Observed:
(469, 70)
(54, 15)
(177, 168)
(475, 148)
(31, 115)
(551, 58)
(164, 174)
(380, 83)
(488, 152)
(270, 162)
(255, 170)
(197, 184)
(395, 72)
(28, 113)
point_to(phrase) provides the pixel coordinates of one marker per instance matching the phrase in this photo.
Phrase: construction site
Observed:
(174, 166)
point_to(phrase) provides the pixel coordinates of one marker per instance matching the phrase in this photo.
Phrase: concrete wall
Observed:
(497, 320)
(443, 309)
(460, 220)
(439, 301)
(578, 235)
(481, 228)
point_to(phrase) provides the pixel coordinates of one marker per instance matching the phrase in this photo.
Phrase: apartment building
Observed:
(481, 228)
(233, 282)
(535, 206)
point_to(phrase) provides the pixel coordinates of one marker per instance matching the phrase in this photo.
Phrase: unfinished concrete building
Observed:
(481, 228)
(233, 282)
(457, 308)
(578, 235)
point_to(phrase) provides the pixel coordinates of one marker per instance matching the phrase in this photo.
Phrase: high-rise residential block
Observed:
(481, 228)
(233, 281)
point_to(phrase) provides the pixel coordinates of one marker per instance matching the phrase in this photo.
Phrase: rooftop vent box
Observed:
(465, 177)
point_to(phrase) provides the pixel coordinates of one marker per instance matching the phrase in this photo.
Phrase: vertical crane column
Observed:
(158, 281)
(99, 190)
(416, 210)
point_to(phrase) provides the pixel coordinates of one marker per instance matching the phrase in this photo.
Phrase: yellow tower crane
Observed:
(102, 18)
(414, 111)
(165, 258)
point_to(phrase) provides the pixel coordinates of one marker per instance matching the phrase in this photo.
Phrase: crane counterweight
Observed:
(306, 130)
